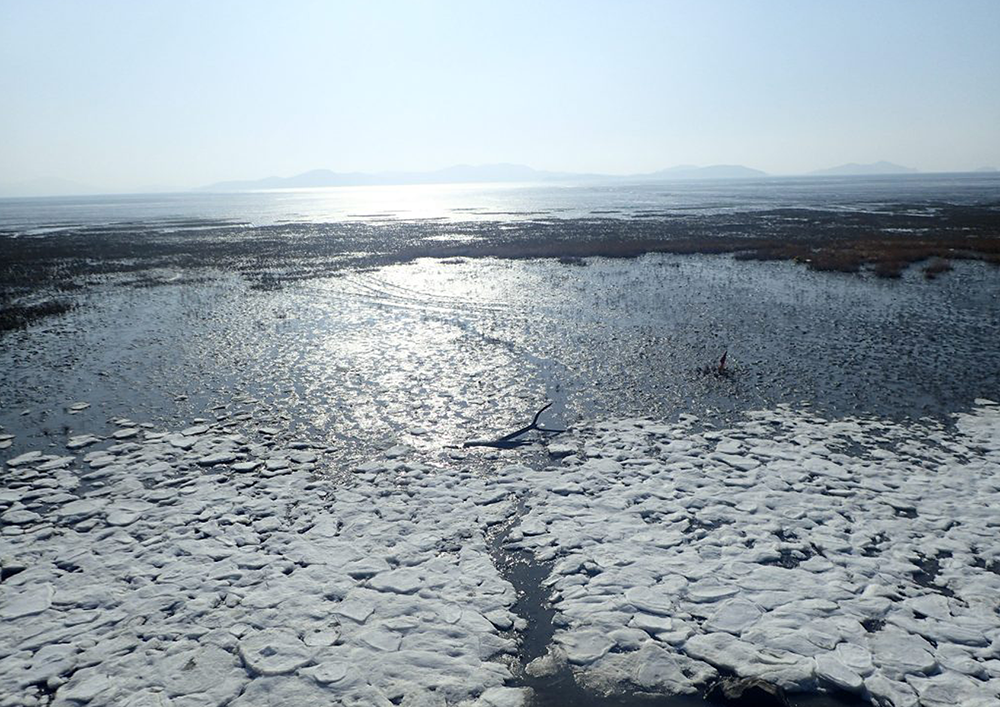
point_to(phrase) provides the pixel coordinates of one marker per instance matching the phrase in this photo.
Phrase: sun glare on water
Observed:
(398, 202)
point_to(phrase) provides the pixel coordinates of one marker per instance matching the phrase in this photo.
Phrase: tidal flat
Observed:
(237, 469)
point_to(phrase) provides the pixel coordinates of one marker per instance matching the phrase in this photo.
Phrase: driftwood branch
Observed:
(511, 440)
(720, 370)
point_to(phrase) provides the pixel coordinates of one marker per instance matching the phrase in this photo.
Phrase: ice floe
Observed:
(204, 568)
(856, 555)
(174, 576)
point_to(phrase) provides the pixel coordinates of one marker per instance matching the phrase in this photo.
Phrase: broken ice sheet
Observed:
(177, 582)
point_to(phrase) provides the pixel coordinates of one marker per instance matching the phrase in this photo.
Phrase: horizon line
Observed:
(560, 177)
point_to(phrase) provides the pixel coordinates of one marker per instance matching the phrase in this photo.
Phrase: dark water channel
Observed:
(559, 688)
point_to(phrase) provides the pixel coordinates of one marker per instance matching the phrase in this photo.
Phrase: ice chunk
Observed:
(19, 516)
(652, 624)
(709, 590)
(650, 600)
(379, 639)
(289, 691)
(355, 606)
(584, 647)
(26, 600)
(899, 654)
(84, 686)
(658, 669)
(274, 651)
(724, 650)
(81, 441)
(217, 458)
(950, 689)
(366, 567)
(400, 581)
(733, 616)
(81, 509)
(829, 668)
(320, 637)
(504, 697)
(328, 671)
(399, 450)
(55, 463)
(26, 458)
(855, 657)
(561, 449)
(204, 671)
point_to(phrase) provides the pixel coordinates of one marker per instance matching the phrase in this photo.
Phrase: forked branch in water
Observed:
(510, 440)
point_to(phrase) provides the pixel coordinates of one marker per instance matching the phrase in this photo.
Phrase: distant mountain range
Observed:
(853, 169)
(448, 175)
(461, 174)
(458, 174)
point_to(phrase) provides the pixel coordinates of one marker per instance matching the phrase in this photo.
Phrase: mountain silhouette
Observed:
(855, 169)
(463, 174)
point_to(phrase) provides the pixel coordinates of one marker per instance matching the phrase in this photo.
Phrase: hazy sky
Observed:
(133, 94)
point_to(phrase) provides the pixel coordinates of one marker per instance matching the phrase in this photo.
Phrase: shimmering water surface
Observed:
(496, 202)
(436, 353)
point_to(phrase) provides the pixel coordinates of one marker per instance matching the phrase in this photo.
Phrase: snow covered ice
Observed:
(174, 581)
(764, 551)
(200, 567)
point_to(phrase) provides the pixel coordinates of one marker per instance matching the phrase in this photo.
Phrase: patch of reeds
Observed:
(13, 316)
(935, 267)
(884, 244)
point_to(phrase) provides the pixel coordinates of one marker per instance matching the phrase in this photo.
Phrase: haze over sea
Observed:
(465, 202)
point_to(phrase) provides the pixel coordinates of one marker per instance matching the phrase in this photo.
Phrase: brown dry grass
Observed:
(885, 256)
(19, 316)
(935, 267)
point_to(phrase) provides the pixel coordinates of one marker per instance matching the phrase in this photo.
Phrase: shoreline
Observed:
(45, 274)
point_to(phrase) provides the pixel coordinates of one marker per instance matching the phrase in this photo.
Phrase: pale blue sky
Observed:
(131, 94)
